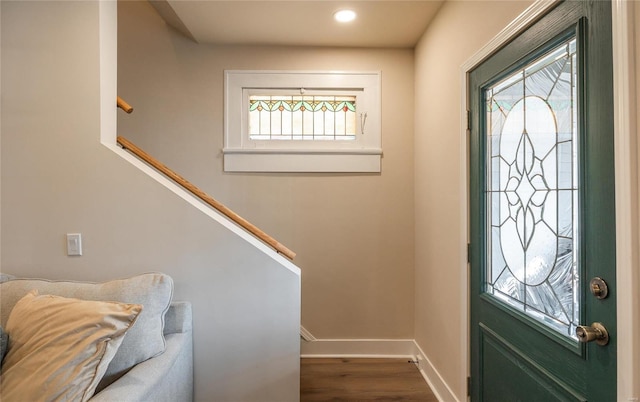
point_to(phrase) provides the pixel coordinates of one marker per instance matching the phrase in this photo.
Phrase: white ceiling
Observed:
(389, 23)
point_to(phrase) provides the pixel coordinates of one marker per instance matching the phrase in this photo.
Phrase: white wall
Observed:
(459, 30)
(0, 137)
(353, 233)
(58, 178)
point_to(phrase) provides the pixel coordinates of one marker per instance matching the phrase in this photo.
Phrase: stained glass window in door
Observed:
(532, 190)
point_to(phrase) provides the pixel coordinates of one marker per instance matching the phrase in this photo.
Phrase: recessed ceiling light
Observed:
(345, 15)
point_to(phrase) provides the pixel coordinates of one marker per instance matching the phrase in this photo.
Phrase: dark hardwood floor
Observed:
(362, 380)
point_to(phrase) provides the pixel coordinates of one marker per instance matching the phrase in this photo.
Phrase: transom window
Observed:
(300, 117)
(298, 121)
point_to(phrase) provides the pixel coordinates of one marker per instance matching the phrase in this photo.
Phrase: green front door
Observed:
(542, 212)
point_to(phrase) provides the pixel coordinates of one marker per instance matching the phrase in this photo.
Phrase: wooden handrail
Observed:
(124, 105)
(126, 144)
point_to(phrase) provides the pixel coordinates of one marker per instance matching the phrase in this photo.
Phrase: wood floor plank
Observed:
(362, 380)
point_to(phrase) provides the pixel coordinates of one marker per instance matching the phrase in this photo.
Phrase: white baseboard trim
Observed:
(358, 348)
(381, 348)
(438, 385)
(306, 335)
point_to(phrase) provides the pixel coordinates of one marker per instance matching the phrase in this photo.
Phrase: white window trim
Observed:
(242, 154)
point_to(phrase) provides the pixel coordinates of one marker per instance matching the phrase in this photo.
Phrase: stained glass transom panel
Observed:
(532, 190)
(302, 117)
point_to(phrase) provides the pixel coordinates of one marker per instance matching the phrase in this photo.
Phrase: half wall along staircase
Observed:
(131, 147)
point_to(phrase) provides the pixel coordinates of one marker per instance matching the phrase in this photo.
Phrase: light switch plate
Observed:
(74, 244)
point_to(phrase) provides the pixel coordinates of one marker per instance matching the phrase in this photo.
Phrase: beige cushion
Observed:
(145, 340)
(60, 348)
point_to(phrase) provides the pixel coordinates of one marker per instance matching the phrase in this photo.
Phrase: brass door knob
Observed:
(596, 332)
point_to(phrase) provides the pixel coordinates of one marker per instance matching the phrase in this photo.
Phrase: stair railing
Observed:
(131, 147)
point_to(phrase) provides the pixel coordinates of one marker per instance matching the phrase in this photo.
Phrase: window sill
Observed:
(291, 160)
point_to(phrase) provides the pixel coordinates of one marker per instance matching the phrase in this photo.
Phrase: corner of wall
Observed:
(430, 373)
(0, 139)
(108, 19)
(108, 71)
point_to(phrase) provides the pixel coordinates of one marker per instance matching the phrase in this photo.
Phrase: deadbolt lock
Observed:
(596, 332)
(599, 288)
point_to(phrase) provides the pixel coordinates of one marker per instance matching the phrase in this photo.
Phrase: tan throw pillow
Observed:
(59, 348)
(144, 341)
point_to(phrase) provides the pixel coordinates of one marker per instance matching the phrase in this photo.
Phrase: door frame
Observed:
(626, 183)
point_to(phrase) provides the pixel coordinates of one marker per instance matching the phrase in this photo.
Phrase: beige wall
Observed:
(459, 30)
(57, 178)
(353, 232)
